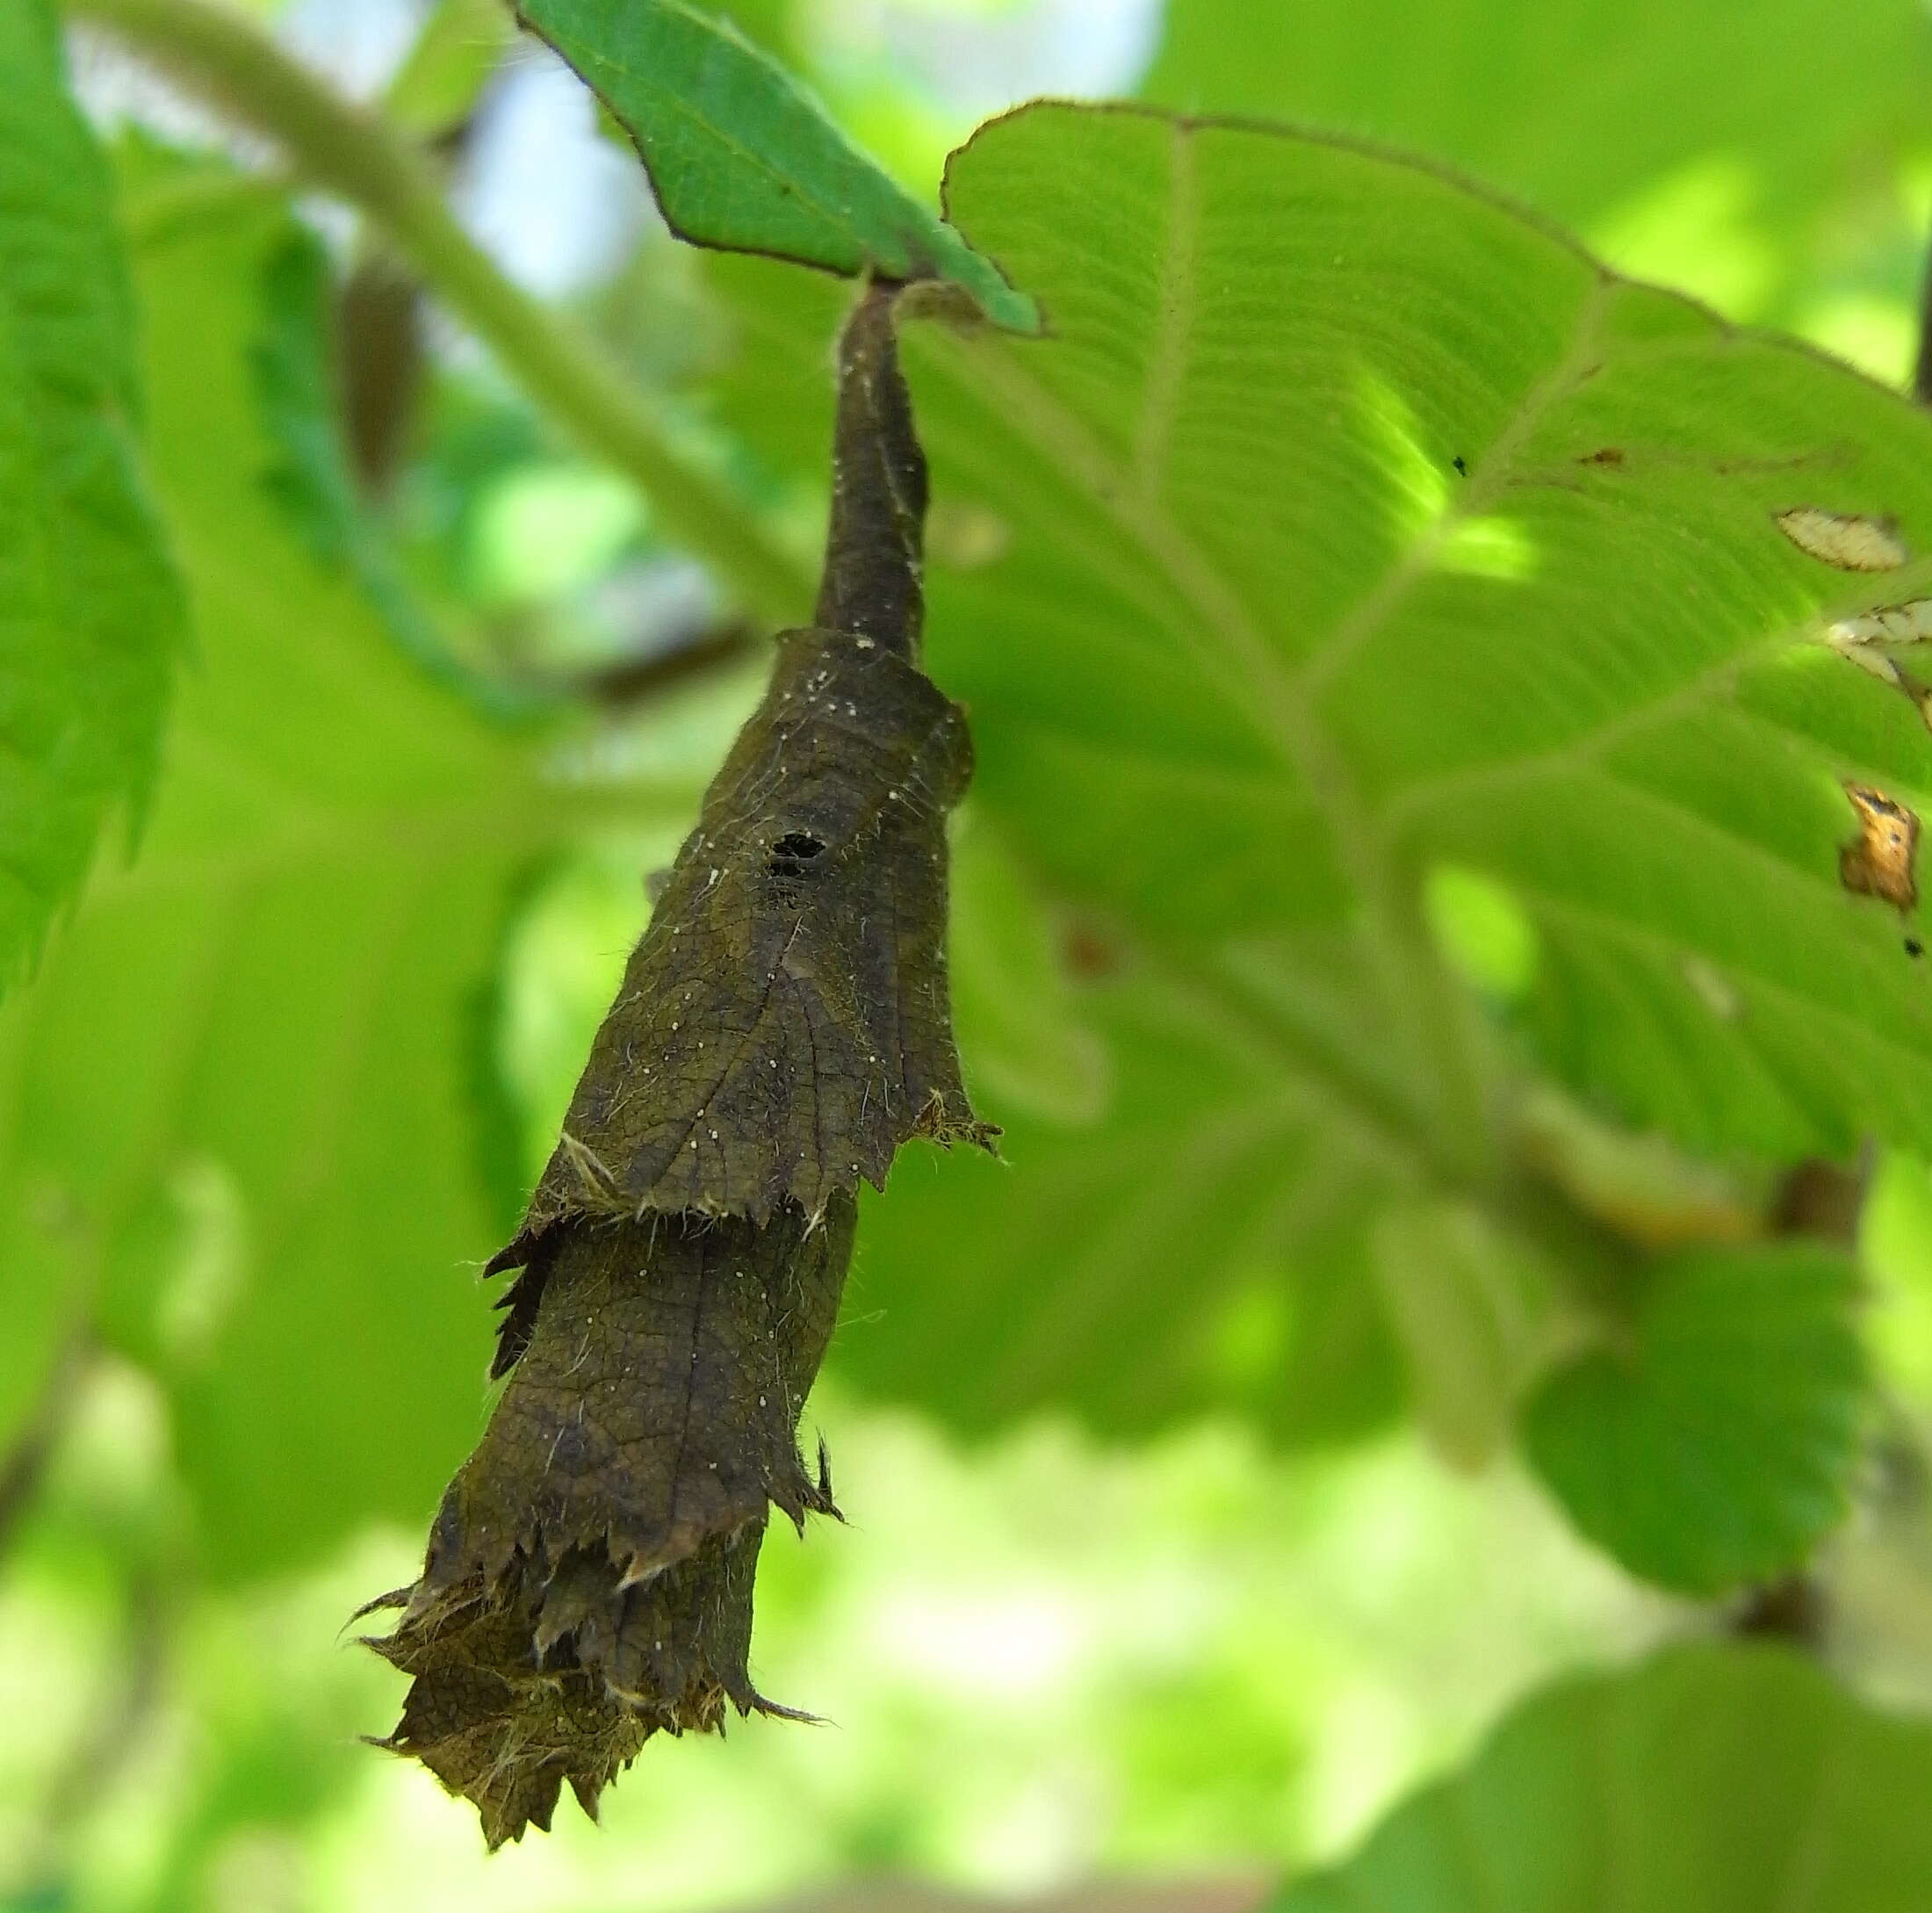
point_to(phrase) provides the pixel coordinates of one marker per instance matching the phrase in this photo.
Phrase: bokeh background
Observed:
(1047, 1655)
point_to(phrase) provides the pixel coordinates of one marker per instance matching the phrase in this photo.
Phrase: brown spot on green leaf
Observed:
(1881, 860)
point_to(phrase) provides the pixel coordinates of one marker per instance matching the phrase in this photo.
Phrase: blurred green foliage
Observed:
(92, 613)
(1149, 1572)
(1709, 1779)
(1672, 133)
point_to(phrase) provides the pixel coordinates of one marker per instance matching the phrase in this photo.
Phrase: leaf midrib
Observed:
(1246, 670)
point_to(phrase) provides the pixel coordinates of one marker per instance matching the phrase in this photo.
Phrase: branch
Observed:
(620, 687)
(358, 158)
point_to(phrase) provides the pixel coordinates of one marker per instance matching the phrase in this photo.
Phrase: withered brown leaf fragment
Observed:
(784, 1026)
(508, 1731)
(1881, 860)
(588, 1579)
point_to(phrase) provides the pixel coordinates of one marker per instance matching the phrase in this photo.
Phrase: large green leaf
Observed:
(239, 1098)
(742, 158)
(1221, 503)
(1244, 596)
(90, 615)
(89, 608)
(1344, 528)
(1728, 1779)
(1719, 1447)
(1695, 136)
(1196, 1240)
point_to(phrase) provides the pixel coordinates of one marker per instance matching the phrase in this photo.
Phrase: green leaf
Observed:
(1720, 1446)
(1472, 1315)
(239, 1098)
(89, 613)
(741, 159)
(1251, 663)
(1637, 120)
(90, 607)
(1013, 1008)
(1246, 597)
(1198, 1240)
(1724, 1778)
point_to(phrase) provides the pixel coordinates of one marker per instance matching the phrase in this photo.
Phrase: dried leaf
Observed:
(1879, 861)
(494, 1725)
(784, 1026)
(590, 1575)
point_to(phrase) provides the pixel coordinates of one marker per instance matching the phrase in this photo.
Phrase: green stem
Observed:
(358, 156)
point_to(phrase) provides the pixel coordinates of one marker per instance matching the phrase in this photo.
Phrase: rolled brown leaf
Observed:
(588, 1579)
(782, 1026)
